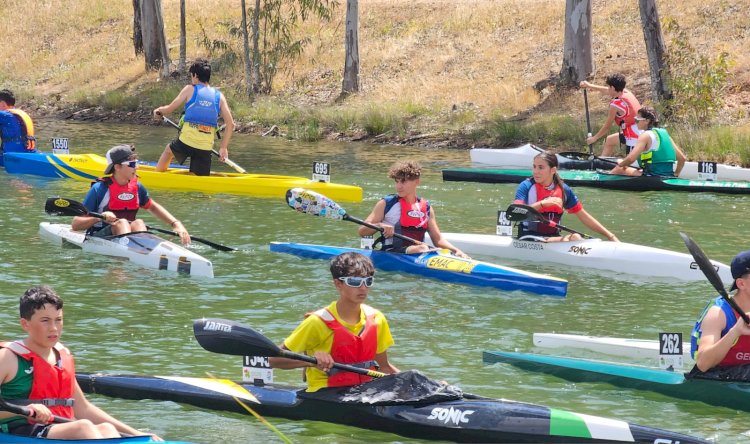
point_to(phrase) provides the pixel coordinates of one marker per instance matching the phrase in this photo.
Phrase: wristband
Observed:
(174, 222)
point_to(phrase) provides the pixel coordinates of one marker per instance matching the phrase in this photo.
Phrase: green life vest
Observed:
(660, 159)
(17, 388)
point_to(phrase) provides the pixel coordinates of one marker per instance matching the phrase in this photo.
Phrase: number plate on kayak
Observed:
(670, 350)
(708, 171)
(451, 264)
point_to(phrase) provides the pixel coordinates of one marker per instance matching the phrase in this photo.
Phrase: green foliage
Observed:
(698, 82)
(547, 132)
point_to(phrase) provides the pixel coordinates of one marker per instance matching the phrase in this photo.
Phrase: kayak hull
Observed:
(7, 438)
(88, 167)
(144, 249)
(441, 266)
(598, 179)
(463, 420)
(589, 254)
(623, 347)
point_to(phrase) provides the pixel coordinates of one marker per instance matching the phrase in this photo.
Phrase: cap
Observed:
(740, 266)
(118, 154)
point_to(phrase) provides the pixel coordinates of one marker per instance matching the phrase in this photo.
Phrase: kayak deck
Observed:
(623, 347)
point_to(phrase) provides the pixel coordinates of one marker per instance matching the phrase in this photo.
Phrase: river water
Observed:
(126, 319)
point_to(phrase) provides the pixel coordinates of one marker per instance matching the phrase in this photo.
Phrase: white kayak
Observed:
(144, 249)
(589, 254)
(523, 156)
(624, 347)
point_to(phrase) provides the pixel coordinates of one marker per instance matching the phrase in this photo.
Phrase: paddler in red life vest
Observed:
(720, 337)
(347, 331)
(622, 111)
(38, 372)
(118, 196)
(16, 127)
(407, 214)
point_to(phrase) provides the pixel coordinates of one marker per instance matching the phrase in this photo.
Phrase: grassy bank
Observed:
(432, 72)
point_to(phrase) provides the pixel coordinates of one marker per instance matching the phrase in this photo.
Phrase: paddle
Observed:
(25, 411)
(229, 162)
(310, 202)
(520, 212)
(232, 338)
(60, 206)
(588, 126)
(712, 275)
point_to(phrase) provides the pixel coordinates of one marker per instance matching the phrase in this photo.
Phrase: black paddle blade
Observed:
(310, 202)
(520, 212)
(60, 206)
(231, 338)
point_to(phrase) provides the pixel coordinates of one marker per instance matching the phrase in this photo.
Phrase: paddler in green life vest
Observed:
(655, 150)
(38, 372)
(346, 332)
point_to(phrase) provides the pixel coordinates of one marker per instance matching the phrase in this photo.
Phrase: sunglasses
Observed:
(356, 281)
(639, 118)
(130, 163)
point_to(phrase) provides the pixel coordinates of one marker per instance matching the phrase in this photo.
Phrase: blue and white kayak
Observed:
(5, 437)
(58, 166)
(442, 266)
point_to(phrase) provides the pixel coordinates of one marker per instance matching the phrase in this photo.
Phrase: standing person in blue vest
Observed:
(16, 127)
(655, 150)
(203, 106)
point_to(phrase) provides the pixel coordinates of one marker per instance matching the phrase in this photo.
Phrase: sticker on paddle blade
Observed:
(448, 263)
(256, 369)
(310, 202)
(62, 203)
(517, 213)
(504, 226)
(670, 351)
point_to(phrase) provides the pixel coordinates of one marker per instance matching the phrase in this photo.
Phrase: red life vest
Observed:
(551, 212)
(123, 199)
(739, 353)
(52, 385)
(348, 348)
(628, 106)
(414, 218)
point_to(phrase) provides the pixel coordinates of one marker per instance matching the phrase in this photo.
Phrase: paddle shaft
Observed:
(229, 162)
(538, 217)
(588, 123)
(25, 411)
(380, 229)
(349, 368)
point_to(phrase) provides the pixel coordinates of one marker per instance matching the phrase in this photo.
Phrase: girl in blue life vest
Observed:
(546, 192)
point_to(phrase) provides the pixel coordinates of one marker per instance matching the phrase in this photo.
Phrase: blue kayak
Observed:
(441, 266)
(52, 165)
(5, 437)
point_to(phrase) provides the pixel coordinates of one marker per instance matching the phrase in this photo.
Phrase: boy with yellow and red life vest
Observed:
(622, 111)
(16, 127)
(720, 337)
(118, 197)
(39, 372)
(347, 331)
(407, 214)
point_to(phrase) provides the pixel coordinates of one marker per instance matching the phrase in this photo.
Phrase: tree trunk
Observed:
(350, 83)
(246, 52)
(656, 50)
(137, 33)
(183, 40)
(256, 49)
(578, 61)
(154, 40)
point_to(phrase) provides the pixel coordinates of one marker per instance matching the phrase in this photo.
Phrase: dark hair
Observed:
(617, 81)
(202, 69)
(405, 170)
(649, 113)
(7, 96)
(37, 297)
(551, 159)
(351, 264)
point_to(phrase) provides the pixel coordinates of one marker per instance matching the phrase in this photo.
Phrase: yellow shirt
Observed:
(190, 136)
(314, 335)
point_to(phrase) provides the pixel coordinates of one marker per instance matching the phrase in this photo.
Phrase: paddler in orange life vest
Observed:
(407, 214)
(118, 196)
(347, 331)
(38, 372)
(16, 127)
(622, 111)
(720, 337)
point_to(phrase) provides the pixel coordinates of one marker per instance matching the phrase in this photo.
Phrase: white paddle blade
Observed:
(310, 202)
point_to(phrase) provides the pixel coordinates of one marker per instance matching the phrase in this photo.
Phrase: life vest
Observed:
(17, 131)
(553, 213)
(123, 199)
(628, 106)
(52, 385)
(739, 353)
(661, 152)
(348, 348)
(203, 108)
(412, 219)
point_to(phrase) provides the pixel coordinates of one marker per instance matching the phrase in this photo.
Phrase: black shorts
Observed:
(26, 429)
(622, 139)
(200, 160)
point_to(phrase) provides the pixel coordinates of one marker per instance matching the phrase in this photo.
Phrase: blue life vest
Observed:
(13, 134)
(204, 107)
(728, 314)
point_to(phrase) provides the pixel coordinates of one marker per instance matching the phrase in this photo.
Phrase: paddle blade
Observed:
(231, 338)
(310, 202)
(520, 212)
(60, 206)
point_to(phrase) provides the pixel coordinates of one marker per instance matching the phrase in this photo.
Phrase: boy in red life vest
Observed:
(407, 214)
(720, 336)
(38, 371)
(622, 111)
(347, 331)
(118, 196)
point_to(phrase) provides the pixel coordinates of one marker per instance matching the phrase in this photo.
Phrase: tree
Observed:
(246, 52)
(578, 61)
(350, 83)
(183, 39)
(256, 50)
(154, 40)
(656, 50)
(137, 33)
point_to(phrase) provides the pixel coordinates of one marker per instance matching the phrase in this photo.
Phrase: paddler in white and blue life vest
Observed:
(38, 372)
(347, 331)
(407, 214)
(118, 196)
(546, 192)
(655, 150)
(720, 337)
(16, 127)
(203, 106)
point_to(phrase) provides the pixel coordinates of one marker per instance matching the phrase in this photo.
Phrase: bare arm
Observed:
(437, 236)
(385, 365)
(594, 225)
(712, 347)
(86, 410)
(590, 86)
(681, 158)
(8, 370)
(81, 223)
(165, 216)
(226, 114)
(181, 98)
(376, 218)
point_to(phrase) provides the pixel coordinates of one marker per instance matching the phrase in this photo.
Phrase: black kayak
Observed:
(465, 418)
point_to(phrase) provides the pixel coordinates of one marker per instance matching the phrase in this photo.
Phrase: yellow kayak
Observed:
(88, 167)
